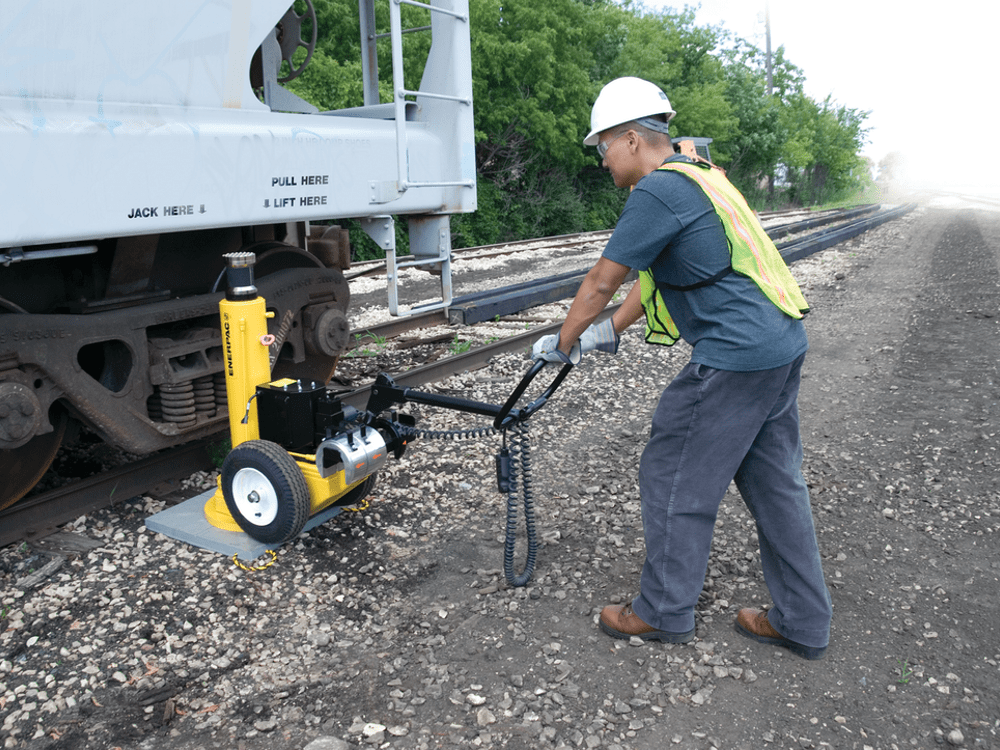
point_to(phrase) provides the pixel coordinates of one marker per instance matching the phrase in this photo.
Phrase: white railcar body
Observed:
(139, 142)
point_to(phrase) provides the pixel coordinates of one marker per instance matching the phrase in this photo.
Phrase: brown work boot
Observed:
(619, 621)
(753, 623)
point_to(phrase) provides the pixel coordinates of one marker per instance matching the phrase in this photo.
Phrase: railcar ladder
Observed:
(430, 236)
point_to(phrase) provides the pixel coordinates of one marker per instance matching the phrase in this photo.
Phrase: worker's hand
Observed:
(547, 348)
(601, 337)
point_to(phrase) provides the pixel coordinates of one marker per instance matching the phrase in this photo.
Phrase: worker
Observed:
(710, 275)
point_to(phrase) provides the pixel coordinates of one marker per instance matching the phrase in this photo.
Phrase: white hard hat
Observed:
(624, 100)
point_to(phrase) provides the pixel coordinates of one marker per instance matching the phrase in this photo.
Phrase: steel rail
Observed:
(482, 306)
(556, 240)
(487, 305)
(802, 226)
(505, 248)
(40, 515)
(396, 327)
(501, 248)
(510, 300)
(473, 359)
(797, 249)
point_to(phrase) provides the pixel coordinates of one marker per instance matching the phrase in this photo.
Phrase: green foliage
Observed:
(369, 344)
(485, 226)
(821, 152)
(537, 68)
(603, 200)
(752, 151)
(217, 452)
(459, 346)
(905, 671)
(541, 202)
(531, 83)
(332, 80)
(364, 247)
(329, 83)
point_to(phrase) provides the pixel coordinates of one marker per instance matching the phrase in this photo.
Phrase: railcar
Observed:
(143, 141)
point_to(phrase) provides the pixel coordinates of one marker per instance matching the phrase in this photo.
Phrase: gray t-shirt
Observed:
(669, 225)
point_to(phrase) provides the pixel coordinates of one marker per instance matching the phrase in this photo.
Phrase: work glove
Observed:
(547, 348)
(601, 337)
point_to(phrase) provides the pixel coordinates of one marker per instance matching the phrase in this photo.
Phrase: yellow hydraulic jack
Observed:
(297, 449)
(269, 487)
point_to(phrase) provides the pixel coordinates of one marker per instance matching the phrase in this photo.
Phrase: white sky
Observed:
(928, 72)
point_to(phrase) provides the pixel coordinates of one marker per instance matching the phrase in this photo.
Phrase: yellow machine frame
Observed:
(246, 345)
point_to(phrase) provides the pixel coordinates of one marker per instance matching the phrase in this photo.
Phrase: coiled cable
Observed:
(519, 477)
(520, 473)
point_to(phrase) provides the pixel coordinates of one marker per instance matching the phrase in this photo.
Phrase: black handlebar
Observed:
(385, 393)
(508, 416)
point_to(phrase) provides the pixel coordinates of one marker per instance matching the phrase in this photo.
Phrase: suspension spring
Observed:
(178, 402)
(184, 403)
(219, 381)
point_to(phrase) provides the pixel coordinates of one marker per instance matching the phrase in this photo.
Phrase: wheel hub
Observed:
(20, 415)
(255, 497)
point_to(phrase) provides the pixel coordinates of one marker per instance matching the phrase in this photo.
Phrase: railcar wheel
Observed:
(277, 256)
(265, 491)
(23, 467)
(321, 329)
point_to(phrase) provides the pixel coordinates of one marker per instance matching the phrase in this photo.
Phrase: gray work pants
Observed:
(712, 426)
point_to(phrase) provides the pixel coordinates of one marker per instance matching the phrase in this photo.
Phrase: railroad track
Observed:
(970, 200)
(42, 514)
(373, 267)
(482, 306)
(39, 515)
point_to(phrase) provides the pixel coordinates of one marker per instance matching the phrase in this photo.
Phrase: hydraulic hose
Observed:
(519, 478)
(520, 473)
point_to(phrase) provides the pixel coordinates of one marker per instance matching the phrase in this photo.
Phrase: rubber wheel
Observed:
(359, 493)
(265, 491)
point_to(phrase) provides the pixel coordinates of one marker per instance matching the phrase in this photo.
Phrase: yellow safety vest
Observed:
(752, 254)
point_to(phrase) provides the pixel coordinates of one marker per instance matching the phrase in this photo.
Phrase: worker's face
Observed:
(619, 154)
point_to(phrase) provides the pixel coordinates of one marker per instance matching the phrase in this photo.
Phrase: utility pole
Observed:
(767, 33)
(770, 84)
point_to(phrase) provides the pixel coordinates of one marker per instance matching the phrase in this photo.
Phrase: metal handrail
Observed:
(400, 92)
(405, 31)
(432, 95)
(433, 8)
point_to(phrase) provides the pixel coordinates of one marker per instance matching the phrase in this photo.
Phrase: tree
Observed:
(755, 146)
(530, 67)
(822, 151)
(537, 69)
(678, 56)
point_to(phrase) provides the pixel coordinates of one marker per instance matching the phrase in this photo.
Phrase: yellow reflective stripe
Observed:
(660, 326)
(721, 201)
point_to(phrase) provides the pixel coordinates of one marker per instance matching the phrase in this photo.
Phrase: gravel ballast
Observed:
(393, 626)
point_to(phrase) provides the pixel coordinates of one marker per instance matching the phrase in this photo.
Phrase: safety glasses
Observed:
(603, 146)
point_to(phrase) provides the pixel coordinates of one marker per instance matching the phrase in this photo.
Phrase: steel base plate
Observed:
(186, 522)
